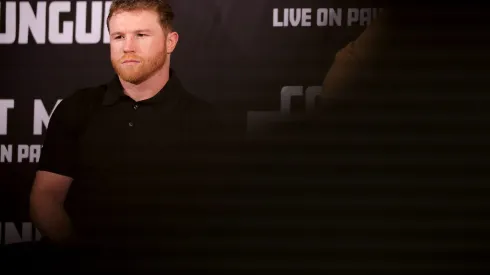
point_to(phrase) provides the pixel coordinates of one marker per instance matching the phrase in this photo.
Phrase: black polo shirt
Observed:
(137, 166)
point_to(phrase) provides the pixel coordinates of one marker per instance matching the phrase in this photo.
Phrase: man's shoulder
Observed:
(78, 103)
(87, 95)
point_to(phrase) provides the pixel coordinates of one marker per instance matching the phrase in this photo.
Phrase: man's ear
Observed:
(172, 40)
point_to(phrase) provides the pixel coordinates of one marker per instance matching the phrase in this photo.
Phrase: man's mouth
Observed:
(130, 61)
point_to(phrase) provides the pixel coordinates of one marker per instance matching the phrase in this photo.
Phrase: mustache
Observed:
(130, 57)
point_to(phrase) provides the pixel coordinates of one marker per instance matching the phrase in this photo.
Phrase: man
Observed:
(119, 160)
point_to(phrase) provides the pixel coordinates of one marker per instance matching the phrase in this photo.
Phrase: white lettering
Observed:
(104, 23)
(93, 36)
(6, 152)
(8, 37)
(22, 152)
(13, 236)
(352, 16)
(365, 17)
(311, 95)
(43, 19)
(41, 117)
(286, 17)
(286, 94)
(258, 122)
(362, 16)
(295, 17)
(322, 17)
(35, 22)
(37, 234)
(55, 36)
(34, 153)
(306, 18)
(292, 17)
(329, 17)
(275, 18)
(5, 104)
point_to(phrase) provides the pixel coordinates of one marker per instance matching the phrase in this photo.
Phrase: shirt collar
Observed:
(168, 93)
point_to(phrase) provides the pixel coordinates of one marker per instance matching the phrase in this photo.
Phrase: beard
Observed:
(137, 73)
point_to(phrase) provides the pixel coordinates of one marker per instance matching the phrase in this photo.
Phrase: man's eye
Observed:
(141, 34)
(118, 37)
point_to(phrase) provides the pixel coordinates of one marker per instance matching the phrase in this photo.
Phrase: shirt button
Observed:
(130, 124)
(135, 106)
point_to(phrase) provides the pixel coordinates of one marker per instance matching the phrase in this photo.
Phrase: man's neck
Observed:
(147, 88)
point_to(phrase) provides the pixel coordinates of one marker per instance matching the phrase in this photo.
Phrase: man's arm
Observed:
(55, 173)
(47, 206)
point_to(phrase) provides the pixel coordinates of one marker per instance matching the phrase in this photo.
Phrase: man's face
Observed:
(138, 44)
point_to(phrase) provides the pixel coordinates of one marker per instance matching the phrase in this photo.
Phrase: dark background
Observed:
(388, 185)
(228, 54)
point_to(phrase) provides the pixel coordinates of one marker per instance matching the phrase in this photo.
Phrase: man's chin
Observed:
(132, 78)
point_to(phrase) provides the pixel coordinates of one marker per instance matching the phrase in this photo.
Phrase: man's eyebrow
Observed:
(135, 31)
(143, 30)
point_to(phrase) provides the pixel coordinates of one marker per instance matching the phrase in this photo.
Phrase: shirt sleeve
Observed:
(59, 150)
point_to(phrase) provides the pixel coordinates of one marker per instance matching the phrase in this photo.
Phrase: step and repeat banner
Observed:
(259, 61)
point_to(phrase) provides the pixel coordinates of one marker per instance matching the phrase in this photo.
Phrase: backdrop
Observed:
(247, 57)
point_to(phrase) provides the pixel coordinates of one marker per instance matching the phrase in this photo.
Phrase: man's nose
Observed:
(129, 44)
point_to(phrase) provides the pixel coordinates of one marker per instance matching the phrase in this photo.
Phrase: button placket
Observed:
(135, 107)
